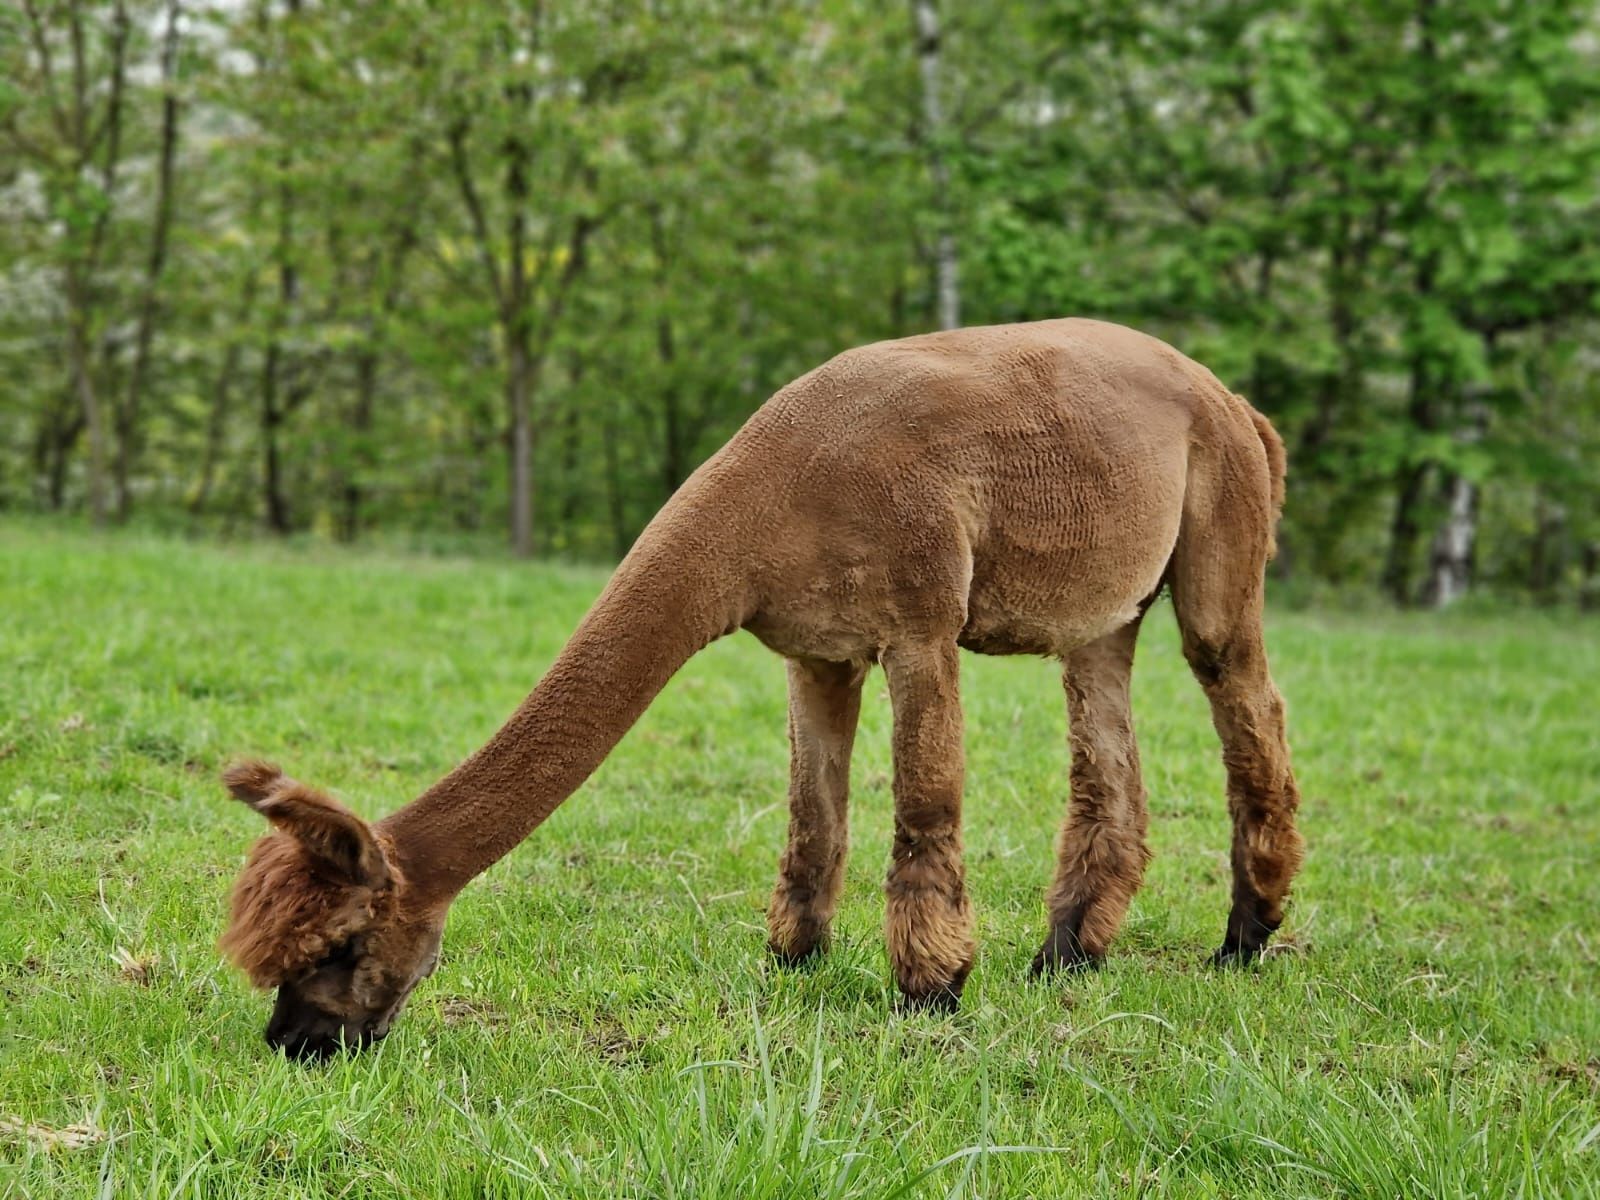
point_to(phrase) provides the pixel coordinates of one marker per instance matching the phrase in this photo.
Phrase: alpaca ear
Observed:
(328, 830)
(252, 780)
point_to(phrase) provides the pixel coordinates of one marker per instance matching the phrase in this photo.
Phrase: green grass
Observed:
(605, 1021)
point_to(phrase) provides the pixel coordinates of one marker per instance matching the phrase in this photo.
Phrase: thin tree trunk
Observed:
(1404, 530)
(351, 493)
(277, 507)
(518, 294)
(83, 390)
(63, 429)
(1450, 564)
(83, 265)
(519, 403)
(933, 131)
(619, 527)
(274, 365)
(1453, 555)
(222, 393)
(571, 446)
(672, 450)
(517, 325)
(128, 412)
(216, 423)
(1412, 477)
(390, 272)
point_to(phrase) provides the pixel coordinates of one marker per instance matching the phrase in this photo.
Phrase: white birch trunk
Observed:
(1450, 558)
(1450, 564)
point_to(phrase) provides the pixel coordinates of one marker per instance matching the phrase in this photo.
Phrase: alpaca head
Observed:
(320, 913)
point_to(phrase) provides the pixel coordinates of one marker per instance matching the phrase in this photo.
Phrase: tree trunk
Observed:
(619, 527)
(947, 289)
(274, 368)
(1404, 530)
(222, 393)
(92, 138)
(78, 352)
(1454, 551)
(352, 494)
(518, 324)
(59, 431)
(1450, 563)
(277, 505)
(519, 378)
(128, 411)
(216, 423)
(571, 446)
(672, 459)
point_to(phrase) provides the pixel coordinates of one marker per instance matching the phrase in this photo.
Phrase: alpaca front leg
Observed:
(929, 918)
(824, 704)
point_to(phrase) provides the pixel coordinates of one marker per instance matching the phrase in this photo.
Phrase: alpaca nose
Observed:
(300, 1046)
(302, 1031)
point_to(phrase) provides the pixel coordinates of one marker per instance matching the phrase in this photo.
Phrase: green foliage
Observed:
(398, 227)
(605, 1020)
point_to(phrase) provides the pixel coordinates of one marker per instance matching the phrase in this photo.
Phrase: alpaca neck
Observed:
(668, 599)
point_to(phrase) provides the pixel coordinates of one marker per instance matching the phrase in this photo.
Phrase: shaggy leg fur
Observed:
(824, 703)
(1102, 853)
(1262, 797)
(930, 919)
(1217, 593)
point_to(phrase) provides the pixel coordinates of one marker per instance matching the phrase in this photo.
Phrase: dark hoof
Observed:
(1247, 936)
(940, 1002)
(1063, 952)
(806, 955)
(1233, 956)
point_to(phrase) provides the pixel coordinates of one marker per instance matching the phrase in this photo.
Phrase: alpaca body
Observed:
(1022, 478)
(1012, 489)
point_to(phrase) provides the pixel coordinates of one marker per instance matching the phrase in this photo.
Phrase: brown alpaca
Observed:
(1022, 489)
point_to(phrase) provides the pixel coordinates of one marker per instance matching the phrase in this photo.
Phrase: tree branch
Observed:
(469, 195)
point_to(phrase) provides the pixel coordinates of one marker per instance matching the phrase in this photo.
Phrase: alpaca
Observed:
(1018, 489)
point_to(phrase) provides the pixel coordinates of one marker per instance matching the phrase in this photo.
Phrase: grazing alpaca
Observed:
(1022, 489)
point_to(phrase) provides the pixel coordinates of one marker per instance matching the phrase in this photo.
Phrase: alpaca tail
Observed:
(1277, 466)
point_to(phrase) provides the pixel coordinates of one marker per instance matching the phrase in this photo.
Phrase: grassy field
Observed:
(605, 1021)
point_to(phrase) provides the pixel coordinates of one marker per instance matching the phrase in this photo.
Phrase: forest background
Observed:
(480, 274)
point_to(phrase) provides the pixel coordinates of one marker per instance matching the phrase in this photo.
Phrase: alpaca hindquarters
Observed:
(1217, 581)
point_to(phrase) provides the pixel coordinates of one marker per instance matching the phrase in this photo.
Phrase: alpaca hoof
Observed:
(940, 1001)
(1225, 956)
(1247, 936)
(933, 995)
(800, 955)
(1052, 963)
(796, 941)
(1063, 952)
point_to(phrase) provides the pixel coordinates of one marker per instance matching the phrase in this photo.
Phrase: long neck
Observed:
(669, 598)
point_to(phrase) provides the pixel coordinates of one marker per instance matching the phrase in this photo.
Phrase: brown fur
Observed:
(1012, 489)
(307, 888)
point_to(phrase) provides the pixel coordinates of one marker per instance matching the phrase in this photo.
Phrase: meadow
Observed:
(605, 1020)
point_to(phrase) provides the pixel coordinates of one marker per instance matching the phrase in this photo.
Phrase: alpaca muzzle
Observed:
(306, 1033)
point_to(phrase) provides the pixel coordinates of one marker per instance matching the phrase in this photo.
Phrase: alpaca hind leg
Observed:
(824, 704)
(1218, 599)
(929, 927)
(1102, 853)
